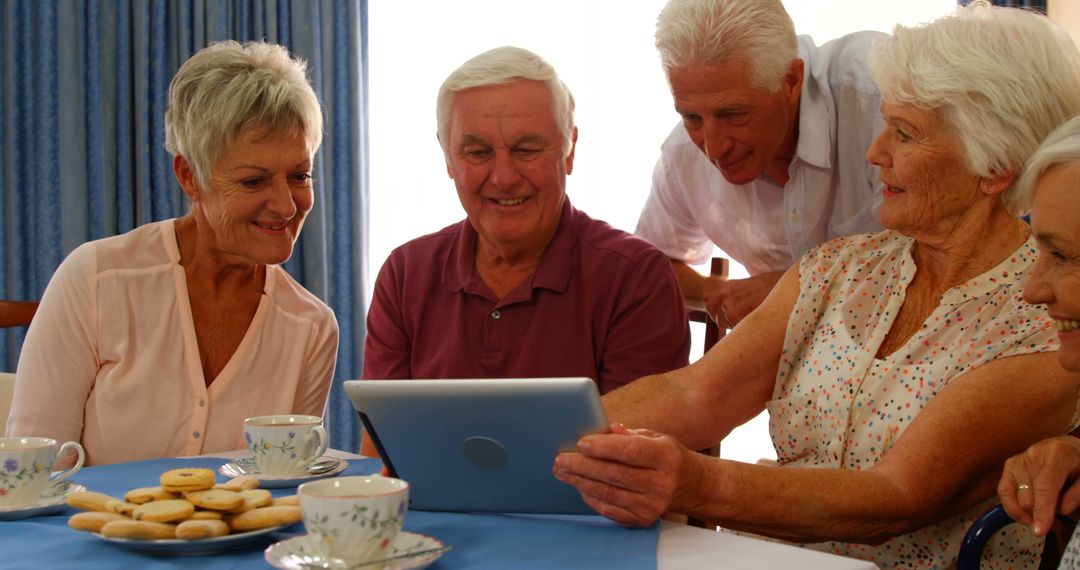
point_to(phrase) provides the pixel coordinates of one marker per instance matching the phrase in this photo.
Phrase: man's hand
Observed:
(631, 476)
(732, 300)
(1033, 481)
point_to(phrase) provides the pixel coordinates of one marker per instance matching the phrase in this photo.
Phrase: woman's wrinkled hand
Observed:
(631, 476)
(1040, 482)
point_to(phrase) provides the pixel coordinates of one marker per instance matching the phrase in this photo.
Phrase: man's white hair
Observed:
(691, 33)
(504, 65)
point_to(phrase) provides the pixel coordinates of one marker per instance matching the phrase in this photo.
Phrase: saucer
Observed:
(297, 553)
(247, 466)
(52, 500)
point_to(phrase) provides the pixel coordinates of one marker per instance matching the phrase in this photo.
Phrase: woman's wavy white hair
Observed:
(227, 88)
(690, 33)
(1061, 147)
(499, 66)
(1001, 78)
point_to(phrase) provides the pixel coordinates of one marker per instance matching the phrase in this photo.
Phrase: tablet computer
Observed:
(480, 445)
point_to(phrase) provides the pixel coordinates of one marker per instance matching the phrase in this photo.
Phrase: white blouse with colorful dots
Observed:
(836, 405)
(1070, 560)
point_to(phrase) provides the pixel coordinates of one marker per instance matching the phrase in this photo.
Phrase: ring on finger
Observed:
(1023, 487)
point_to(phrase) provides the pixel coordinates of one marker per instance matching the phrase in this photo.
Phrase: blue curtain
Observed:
(83, 86)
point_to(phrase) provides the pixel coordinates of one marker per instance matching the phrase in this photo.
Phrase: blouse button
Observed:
(196, 435)
(496, 315)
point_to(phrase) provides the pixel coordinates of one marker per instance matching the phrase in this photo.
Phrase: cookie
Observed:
(197, 529)
(121, 507)
(139, 530)
(164, 511)
(147, 494)
(263, 517)
(205, 516)
(91, 501)
(93, 520)
(253, 499)
(215, 499)
(287, 501)
(187, 479)
(241, 483)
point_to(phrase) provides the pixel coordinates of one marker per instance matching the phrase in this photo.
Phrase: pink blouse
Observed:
(111, 359)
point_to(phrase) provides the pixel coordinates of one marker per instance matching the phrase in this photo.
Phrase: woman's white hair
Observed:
(1061, 147)
(504, 65)
(690, 33)
(1001, 78)
(227, 88)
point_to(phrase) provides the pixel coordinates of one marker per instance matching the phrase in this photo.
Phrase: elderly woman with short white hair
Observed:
(900, 369)
(1042, 481)
(160, 341)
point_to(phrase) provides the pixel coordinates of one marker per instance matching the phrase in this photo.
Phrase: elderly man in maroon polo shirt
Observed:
(526, 285)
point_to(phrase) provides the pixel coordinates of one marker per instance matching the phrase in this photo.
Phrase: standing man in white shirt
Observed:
(770, 157)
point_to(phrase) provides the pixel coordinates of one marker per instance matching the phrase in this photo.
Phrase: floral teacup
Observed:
(25, 466)
(354, 519)
(285, 445)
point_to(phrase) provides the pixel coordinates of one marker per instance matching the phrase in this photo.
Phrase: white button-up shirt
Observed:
(832, 190)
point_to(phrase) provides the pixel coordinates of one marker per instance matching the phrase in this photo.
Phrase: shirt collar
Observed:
(553, 272)
(815, 115)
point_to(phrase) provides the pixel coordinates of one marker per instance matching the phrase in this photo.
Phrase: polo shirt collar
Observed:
(557, 264)
(553, 272)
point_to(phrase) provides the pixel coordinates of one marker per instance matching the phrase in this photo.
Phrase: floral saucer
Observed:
(297, 553)
(52, 500)
(329, 467)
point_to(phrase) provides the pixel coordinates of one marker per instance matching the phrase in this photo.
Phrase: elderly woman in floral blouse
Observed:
(900, 369)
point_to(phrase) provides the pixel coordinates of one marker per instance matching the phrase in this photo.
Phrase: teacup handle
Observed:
(324, 442)
(78, 464)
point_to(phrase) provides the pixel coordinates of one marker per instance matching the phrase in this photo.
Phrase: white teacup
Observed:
(25, 467)
(354, 519)
(285, 445)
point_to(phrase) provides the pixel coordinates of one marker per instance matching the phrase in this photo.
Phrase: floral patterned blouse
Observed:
(1070, 559)
(836, 405)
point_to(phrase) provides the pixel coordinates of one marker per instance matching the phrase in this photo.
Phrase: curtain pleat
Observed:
(83, 90)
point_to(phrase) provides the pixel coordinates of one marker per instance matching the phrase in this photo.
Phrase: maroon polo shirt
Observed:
(602, 303)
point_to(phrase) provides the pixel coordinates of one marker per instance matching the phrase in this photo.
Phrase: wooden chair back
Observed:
(17, 313)
(713, 333)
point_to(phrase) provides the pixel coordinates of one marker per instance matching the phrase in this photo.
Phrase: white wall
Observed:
(603, 50)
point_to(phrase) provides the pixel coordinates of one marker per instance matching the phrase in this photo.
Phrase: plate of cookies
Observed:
(188, 514)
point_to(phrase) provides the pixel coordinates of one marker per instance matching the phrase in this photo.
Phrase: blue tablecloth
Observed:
(479, 541)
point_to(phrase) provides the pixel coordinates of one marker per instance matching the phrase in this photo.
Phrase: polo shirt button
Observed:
(196, 435)
(496, 315)
(202, 403)
(795, 217)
